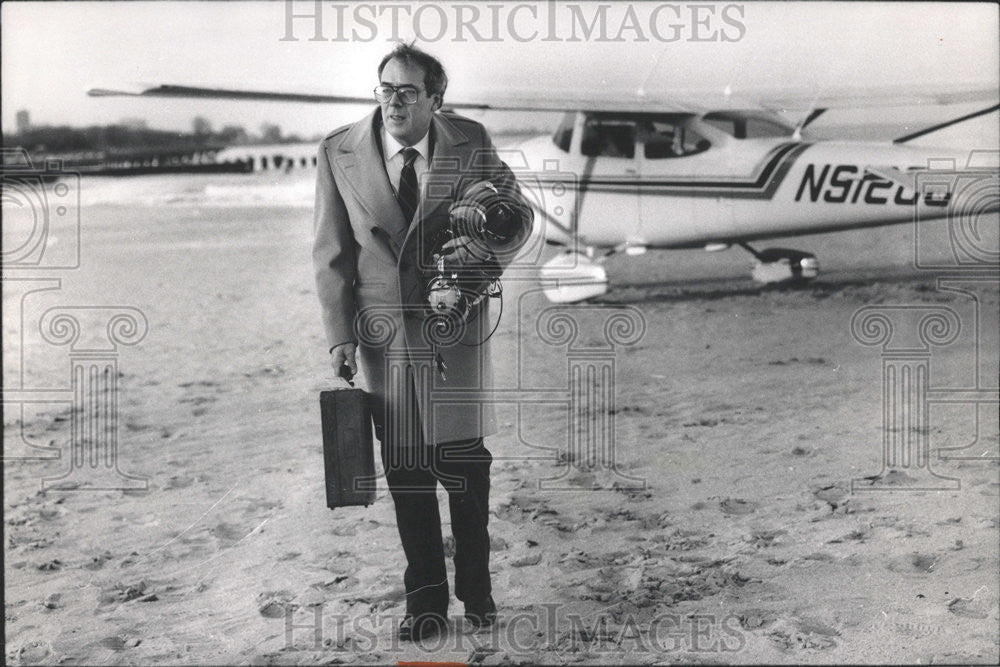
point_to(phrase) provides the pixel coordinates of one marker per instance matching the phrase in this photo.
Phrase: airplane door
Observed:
(676, 206)
(609, 184)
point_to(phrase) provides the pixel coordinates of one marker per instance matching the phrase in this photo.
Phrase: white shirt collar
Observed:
(390, 147)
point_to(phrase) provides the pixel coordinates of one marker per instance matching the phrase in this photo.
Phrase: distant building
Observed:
(201, 126)
(23, 121)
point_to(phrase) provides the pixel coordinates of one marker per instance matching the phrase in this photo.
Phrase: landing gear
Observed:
(782, 265)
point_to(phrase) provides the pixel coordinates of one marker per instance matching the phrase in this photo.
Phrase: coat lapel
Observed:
(443, 173)
(362, 162)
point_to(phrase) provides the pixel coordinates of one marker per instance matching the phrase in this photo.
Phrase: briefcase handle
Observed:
(346, 375)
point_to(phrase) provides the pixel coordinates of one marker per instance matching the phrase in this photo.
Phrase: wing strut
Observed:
(949, 123)
(746, 246)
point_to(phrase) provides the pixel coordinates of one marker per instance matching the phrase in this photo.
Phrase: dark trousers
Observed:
(463, 469)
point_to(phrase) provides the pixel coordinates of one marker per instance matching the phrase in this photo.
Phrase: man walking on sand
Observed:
(384, 189)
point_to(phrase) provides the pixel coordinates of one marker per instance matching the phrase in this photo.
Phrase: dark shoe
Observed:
(415, 628)
(482, 613)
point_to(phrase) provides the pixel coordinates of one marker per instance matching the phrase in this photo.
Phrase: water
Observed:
(294, 189)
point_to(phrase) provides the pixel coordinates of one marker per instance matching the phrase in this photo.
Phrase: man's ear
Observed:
(437, 102)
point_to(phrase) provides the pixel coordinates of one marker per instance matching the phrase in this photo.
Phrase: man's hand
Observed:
(463, 251)
(343, 355)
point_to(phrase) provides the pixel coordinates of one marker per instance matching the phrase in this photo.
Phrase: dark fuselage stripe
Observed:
(761, 187)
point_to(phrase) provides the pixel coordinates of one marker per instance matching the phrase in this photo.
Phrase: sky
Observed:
(53, 52)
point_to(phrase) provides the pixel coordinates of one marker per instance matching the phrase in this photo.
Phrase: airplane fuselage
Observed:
(675, 180)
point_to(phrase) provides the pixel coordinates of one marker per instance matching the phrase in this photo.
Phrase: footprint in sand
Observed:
(197, 383)
(272, 604)
(737, 506)
(179, 482)
(633, 493)
(969, 608)
(229, 533)
(679, 539)
(915, 563)
(342, 562)
(527, 560)
(31, 653)
(123, 592)
(762, 539)
(523, 508)
(752, 619)
(97, 562)
(793, 636)
(50, 565)
(341, 582)
(345, 530)
(834, 495)
(891, 478)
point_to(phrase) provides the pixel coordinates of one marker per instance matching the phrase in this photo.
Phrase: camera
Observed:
(482, 223)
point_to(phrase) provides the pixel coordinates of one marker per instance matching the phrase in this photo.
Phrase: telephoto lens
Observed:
(501, 223)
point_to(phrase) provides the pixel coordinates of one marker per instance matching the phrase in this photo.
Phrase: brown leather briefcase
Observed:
(348, 451)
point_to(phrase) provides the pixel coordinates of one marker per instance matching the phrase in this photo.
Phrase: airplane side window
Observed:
(608, 139)
(668, 141)
(659, 141)
(692, 142)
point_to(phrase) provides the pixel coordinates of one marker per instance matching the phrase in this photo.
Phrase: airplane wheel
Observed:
(784, 265)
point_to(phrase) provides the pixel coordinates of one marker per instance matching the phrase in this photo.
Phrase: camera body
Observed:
(481, 222)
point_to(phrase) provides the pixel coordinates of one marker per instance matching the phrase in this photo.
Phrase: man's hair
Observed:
(435, 79)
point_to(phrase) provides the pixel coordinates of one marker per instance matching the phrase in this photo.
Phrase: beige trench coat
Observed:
(371, 282)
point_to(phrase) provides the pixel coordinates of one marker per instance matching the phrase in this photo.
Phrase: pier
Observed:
(207, 160)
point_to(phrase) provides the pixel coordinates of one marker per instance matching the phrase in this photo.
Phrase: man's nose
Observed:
(396, 100)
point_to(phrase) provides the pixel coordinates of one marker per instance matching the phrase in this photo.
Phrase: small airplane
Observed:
(712, 169)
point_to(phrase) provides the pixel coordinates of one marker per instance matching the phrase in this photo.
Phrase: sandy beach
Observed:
(750, 516)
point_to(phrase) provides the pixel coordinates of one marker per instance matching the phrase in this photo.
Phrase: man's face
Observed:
(407, 123)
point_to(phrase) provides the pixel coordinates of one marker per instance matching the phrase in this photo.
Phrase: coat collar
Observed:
(361, 136)
(361, 150)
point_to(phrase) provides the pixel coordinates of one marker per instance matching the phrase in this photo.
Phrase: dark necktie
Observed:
(407, 193)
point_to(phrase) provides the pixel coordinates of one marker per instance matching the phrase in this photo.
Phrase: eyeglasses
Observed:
(407, 94)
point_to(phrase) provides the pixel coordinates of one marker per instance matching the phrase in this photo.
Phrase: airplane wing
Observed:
(224, 94)
(771, 98)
